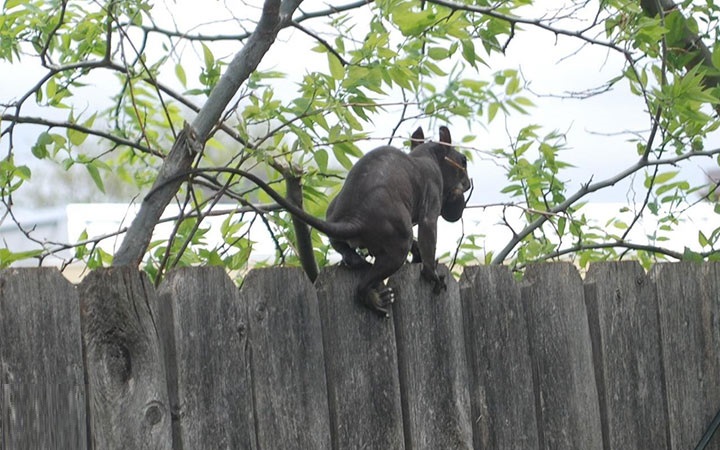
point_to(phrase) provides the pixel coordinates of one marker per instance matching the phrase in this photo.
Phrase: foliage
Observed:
(403, 62)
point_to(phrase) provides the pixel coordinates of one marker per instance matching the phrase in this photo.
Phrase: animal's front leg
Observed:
(427, 239)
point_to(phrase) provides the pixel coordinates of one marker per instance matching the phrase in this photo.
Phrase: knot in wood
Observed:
(116, 359)
(153, 413)
(260, 312)
(242, 330)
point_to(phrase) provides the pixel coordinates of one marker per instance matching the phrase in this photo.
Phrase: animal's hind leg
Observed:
(349, 256)
(415, 252)
(371, 290)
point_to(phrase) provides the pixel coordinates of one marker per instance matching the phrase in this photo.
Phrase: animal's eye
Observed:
(464, 161)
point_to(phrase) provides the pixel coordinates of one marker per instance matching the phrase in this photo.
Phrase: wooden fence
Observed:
(621, 360)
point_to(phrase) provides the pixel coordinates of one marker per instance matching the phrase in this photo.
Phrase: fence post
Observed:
(431, 358)
(501, 384)
(361, 367)
(286, 354)
(203, 327)
(689, 302)
(42, 393)
(623, 317)
(565, 391)
(127, 390)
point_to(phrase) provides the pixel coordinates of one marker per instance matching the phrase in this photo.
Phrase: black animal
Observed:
(387, 192)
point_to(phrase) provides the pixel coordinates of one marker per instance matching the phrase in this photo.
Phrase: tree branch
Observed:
(492, 12)
(590, 188)
(275, 15)
(73, 126)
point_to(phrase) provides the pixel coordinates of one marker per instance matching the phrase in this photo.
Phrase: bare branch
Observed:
(538, 23)
(589, 188)
(275, 15)
(73, 126)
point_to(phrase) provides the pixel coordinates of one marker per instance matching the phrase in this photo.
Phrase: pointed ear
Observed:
(445, 135)
(417, 138)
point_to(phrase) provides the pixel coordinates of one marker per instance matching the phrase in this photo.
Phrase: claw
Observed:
(439, 285)
(379, 300)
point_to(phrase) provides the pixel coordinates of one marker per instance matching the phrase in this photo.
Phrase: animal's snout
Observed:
(462, 187)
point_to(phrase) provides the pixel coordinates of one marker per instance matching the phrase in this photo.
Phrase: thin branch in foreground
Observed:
(74, 126)
(588, 188)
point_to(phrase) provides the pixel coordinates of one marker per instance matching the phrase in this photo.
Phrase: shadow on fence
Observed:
(622, 359)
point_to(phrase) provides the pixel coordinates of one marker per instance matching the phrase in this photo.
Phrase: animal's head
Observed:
(453, 166)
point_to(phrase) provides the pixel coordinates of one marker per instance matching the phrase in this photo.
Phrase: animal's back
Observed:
(377, 180)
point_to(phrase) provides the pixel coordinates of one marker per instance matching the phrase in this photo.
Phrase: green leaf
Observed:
(208, 56)
(702, 239)
(76, 137)
(412, 23)
(620, 225)
(513, 86)
(7, 257)
(180, 74)
(661, 178)
(9, 4)
(321, 158)
(23, 172)
(337, 70)
(39, 150)
(95, 175)
(341, 152)
(716, 55)
(689, 255)
(437, 53)
(523, 101)
(51, 88)
(492, 110)
(562, 221)
(468, 52)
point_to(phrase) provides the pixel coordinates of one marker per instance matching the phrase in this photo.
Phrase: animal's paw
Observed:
(437, 280)
(439, 285)
(380, 300)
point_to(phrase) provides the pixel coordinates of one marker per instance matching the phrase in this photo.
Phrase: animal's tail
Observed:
(332, 229)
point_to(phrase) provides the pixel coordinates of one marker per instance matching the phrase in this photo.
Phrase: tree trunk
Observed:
(275, 15)
(690, 41)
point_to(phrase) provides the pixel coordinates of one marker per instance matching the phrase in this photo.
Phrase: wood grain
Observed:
(204, 335)
(127, 387)
(433, 370)
(42, 394)
(361, 365)
(496, 339)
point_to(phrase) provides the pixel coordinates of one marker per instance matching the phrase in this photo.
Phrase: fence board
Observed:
(501, 385)
(560, 350)
(204, 329)
(433, 369)
(287, 360)
(127, 391)
(689, 301)
(42, 394)
(625, 360)
(623, 313)
(361, 366)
